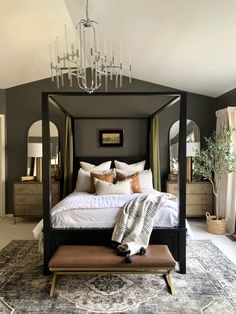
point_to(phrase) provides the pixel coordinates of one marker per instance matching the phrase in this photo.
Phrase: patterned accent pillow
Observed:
(134, 177)
(107, 177)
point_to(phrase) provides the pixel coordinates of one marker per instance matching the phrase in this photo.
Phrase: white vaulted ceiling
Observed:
(185, 44)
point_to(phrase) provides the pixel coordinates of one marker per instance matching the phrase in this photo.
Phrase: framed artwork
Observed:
(110, 138)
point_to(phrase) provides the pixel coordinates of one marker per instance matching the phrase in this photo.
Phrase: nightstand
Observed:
(199, 197)
(28, 198)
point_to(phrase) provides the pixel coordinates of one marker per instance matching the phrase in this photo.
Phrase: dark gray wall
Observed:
(227, 99)
(2, 101)
(23, 107)
(135, 137)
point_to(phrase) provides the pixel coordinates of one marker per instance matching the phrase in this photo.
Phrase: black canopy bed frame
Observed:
(174, 237)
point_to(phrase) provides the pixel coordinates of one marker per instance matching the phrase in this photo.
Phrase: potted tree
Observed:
(212, 163)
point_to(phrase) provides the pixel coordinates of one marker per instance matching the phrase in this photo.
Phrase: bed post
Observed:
(182, 183)
(46, 182)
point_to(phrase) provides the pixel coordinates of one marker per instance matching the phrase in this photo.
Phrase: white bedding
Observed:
(83, 210)
(100, 211)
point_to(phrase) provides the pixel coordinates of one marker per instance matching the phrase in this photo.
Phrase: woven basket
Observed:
(215, 226)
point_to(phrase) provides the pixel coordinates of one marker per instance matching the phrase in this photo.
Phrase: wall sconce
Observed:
(35, 150)
(191, 149)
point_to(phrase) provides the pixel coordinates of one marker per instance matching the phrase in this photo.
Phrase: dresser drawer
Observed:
(198, 188)
(33, 199)
(198, 210)
(35, 188)
(192, 199)
(25, 188)
(28, 210)
(191, 188)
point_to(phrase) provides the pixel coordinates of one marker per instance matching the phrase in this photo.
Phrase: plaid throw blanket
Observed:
(135, 222)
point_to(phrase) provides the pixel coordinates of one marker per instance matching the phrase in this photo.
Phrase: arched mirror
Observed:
(34, 150)
(192, 145)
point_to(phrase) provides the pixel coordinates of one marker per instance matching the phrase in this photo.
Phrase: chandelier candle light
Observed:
(85, 61)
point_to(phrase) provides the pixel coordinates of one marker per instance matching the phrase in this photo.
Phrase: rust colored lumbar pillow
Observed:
(135, 180)
(107, 177)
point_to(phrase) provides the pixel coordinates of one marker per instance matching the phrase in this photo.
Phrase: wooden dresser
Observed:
(28, 198)
(199, 197)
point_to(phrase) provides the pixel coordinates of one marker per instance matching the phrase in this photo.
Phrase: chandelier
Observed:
(86, 61)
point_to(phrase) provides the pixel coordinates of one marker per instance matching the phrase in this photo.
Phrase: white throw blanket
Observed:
(135, 222)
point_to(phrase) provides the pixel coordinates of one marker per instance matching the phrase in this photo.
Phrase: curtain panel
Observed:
(227, 190)
(155, 153)
(68, 158)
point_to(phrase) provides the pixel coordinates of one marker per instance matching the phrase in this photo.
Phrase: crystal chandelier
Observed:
(84, 60)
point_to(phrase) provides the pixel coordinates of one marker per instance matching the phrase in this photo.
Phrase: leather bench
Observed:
(81, 259)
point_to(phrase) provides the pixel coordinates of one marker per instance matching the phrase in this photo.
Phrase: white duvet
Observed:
(83, 210)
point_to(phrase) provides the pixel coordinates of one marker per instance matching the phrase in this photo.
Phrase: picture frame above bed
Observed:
(110, 137)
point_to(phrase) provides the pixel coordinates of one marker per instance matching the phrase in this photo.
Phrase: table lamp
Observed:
(191, 150)
(35, 150)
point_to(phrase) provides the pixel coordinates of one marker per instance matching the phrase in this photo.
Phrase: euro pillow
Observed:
(138, 166)
(134, 183)
(145, 178)
(107, 177)
(92, 168)
(120, 187)
(83, 183)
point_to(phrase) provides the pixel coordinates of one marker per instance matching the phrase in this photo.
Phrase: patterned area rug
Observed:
(208, 287)
(5, 308)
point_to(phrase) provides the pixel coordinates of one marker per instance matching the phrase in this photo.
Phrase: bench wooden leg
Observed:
(169, 280)
(53, 284)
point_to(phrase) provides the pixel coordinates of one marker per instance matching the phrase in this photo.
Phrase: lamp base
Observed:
(39, 172)
(189, 169)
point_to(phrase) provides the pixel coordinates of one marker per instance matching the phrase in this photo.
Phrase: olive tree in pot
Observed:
(212, 163)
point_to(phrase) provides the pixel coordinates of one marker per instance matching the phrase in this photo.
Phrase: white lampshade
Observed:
(35, 150)
(192, 148)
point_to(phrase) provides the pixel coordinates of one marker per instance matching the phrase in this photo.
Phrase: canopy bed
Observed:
(173, 236)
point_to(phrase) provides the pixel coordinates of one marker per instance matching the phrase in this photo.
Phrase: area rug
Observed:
(5, 308)
(208, 287)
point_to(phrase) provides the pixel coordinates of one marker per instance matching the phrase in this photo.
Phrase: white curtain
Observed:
(227, 191)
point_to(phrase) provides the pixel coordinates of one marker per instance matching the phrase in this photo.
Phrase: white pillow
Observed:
(120, 187)
(83, 183)
(91, 168)
(138, 166)
(145, 178)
